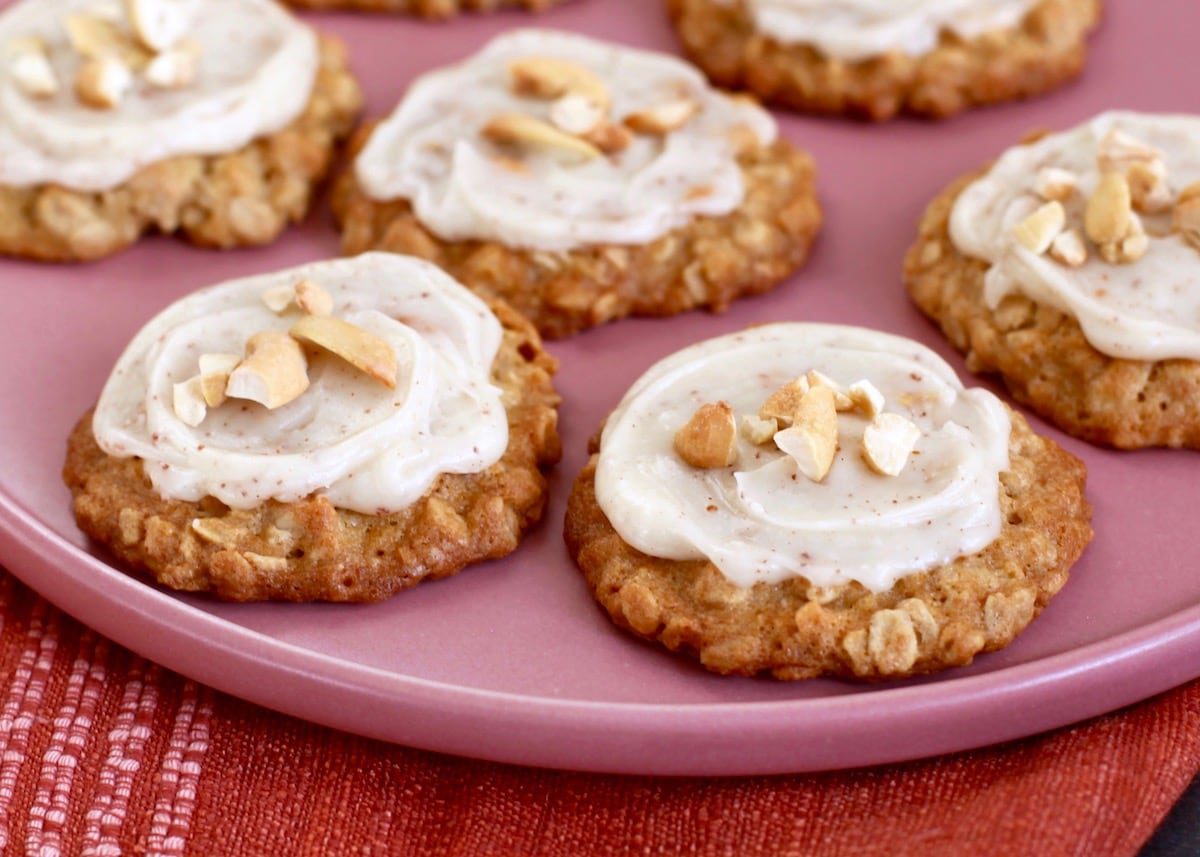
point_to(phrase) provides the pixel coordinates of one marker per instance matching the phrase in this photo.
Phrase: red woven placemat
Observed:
(102, 752)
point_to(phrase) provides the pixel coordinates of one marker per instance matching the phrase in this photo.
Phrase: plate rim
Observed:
(764, 737)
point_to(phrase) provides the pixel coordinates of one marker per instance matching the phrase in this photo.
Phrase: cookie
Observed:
(109, 138)
(1099, 337)
(909, 525)
(339, 487)
(928, 59)
(425, 8)
(581, 183)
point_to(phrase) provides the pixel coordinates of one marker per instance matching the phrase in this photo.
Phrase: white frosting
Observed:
(430, 152)
(759, 520)
(1147, 310)
(367, 447)
(860, 29)
(256, 69)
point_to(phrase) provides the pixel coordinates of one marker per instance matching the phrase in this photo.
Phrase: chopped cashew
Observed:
(1148, 189)
(30, 68)
(1069, 248)
(759, 430)
(214, 376)
(363, 350)
(516, 129)
(1141, 165)
(664, 118)
(159, 24)
(577, 114)
(709, 439)
(313, 299)
(888, 442)
(308, 296)
(813, 437)
(273, 373)
(279, 298)
(609, 137)
(782, 404)
(1037, 231)
(1117, 150)
(840, 400)
(1132, 247)
(1185, 219)
(173, 69)
(550, 77)
(1110, 210)
(866, 398)
(95, 38)
(1112, 224)
(1055, 184)
(103, 83)
(91, 37)
(188, 401)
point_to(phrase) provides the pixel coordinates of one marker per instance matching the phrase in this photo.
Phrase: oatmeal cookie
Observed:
(582, 181)
(707, 264)
(243, 198)
(926, 622)
(1042, 353)
(311, 550)
(425, 8)
(1046, 50)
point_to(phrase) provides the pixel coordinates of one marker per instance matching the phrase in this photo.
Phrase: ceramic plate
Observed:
(513, 661)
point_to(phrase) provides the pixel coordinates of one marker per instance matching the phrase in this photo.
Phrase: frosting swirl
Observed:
(368, 448)
(256, 67)
(758, 521)
(430, 151)
(1146, 310)
(860, 29)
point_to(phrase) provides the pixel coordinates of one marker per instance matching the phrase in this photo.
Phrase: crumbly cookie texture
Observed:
(928, 621)
(312, 551)
(1048, 49)
(708, 263)
(1042, 353)
(425, 8)
(243, 198)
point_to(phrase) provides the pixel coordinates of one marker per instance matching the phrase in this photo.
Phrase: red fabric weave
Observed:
(104, 753)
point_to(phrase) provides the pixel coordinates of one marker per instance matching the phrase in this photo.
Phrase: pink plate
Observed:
(513, 661)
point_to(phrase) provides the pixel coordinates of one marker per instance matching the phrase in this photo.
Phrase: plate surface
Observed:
(513, 661)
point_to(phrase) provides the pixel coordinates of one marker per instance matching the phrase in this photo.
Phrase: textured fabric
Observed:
(104, 753)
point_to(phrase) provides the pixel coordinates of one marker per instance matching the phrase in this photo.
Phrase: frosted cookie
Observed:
(425, 8)
(211, 119)
(875, 58)
(582, 182)
(1071, 267)
(339, 431)
(806, 500)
